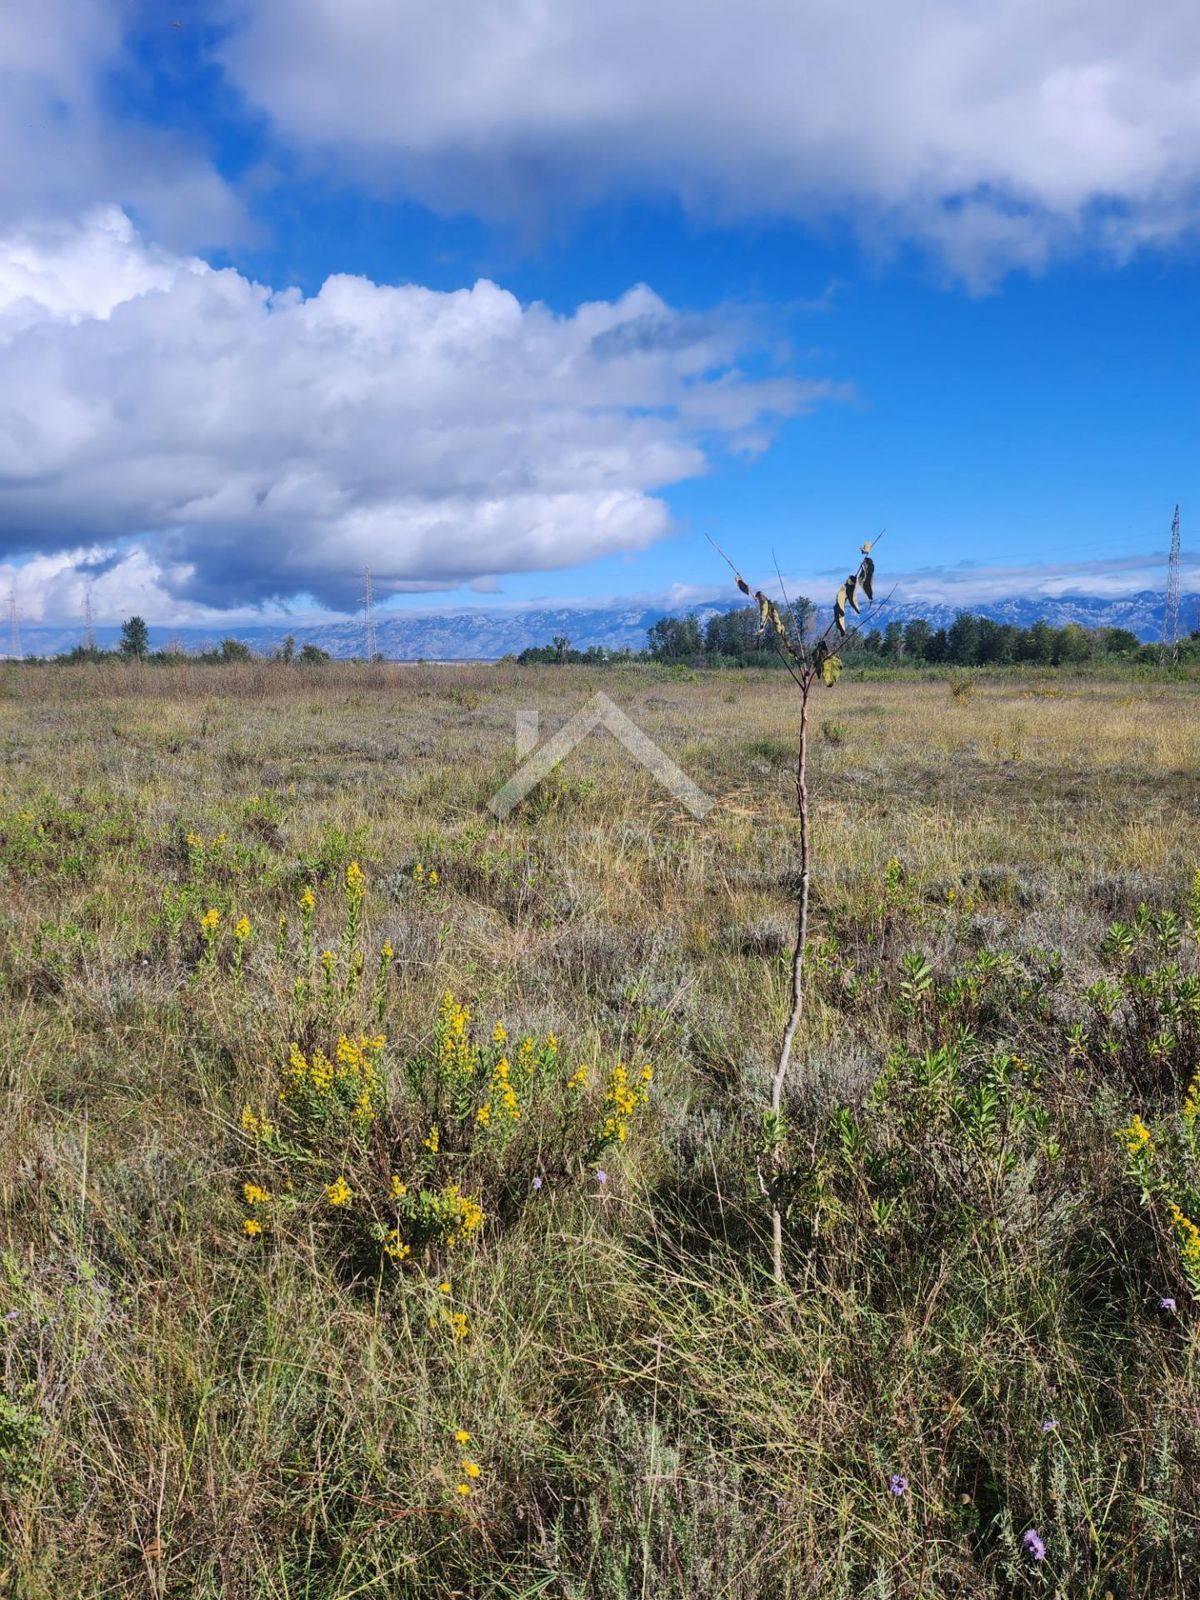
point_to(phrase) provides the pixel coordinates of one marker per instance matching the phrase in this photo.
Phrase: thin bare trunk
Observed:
(789, 1035)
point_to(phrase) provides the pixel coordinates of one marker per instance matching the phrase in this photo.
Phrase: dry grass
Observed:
(186, 1411)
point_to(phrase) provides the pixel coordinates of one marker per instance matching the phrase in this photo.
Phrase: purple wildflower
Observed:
(1034, 1544)
(601, 1175)
(1050, 1424)
(1167, 1304)
(897, 1484)
(11, 1316)
(537, 1183)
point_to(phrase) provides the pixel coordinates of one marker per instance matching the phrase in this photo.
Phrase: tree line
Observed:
(134, 645)
(731, 638)
(969, 641)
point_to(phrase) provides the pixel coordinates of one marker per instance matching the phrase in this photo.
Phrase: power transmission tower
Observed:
(1170, 627)
(90, 637)
(14, 645)
(368, 616)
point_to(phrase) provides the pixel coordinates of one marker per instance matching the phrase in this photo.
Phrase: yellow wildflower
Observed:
(255, 1194)
(464, 1488)
(251, 1226)
(471, 1468)
(1189, 1237)
(399, 1190)
(462, 1436)
(444, 1288)
(241, 931)
(322, 1073)
(623, 1100)
(210, 919)
(432, 1141)
(1136, 1136)
(355, 880)
(338, 1193)
(308, 902)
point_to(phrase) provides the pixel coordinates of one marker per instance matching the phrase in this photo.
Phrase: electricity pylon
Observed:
(368, 616)
(1170, 627)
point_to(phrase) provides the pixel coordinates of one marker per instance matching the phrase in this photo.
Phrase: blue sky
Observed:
(780, 278)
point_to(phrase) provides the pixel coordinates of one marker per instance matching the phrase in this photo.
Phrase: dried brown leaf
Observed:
(866, 577)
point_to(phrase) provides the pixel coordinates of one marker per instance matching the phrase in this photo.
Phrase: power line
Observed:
(1170, 627)
(14, 647)
(368, 616)
(90, 637)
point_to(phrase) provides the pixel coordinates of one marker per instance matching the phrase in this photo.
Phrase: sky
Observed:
(514, 301)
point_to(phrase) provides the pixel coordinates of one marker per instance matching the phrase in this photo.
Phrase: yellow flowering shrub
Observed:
(1164, 1164)
(346, 1088)
(471, 1123)
(623, 1099)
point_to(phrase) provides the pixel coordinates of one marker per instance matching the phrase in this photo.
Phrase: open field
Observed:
(972, 1344)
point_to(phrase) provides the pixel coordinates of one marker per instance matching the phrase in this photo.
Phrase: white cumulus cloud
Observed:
(261, 444)
(66, 141)
(997, 133)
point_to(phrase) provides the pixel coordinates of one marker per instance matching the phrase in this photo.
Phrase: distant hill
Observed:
(485, 635)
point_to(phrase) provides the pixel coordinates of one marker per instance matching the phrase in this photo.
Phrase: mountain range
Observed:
(488, 634)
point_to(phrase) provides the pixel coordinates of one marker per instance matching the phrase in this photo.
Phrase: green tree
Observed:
(917, 635)
(312, 655)
(234, 650)
(675, 639)
(135, 638)
(1071, 644)
(997, 643)
(962, 641)
(1037, 643)
(732, 633)
(1120, 641)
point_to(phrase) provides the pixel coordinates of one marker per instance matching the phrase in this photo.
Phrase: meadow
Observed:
(380, 1187)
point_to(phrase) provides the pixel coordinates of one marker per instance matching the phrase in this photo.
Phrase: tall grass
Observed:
(189, 1409)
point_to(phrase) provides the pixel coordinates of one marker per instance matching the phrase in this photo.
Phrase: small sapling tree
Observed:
(809, 662)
